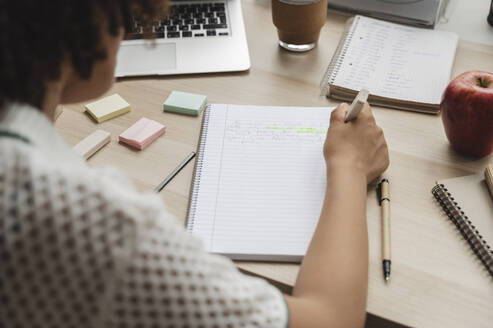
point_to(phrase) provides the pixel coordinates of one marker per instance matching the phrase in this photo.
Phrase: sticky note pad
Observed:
(108, 107)
(185, 103)
(142, 133)
(92, 143)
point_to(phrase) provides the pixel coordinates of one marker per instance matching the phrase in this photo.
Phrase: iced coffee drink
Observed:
(299, 22)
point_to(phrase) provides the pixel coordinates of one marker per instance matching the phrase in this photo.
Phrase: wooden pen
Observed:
(384, 200)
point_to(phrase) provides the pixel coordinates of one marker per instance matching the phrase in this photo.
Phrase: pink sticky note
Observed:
(142, 133)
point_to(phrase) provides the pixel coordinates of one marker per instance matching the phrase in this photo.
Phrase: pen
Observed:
(175, 172)
(384, 200)
(357, 105)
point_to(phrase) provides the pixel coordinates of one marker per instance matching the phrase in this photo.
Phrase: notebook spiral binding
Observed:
(338, 57)
(198, 170)
(465, 226)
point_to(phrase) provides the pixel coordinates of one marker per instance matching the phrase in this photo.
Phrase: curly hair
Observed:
(36, 36)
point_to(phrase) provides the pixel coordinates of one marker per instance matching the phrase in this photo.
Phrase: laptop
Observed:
(198, 37)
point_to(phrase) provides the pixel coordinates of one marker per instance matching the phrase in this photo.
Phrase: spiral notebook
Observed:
(468, 204)
(259, 181)
(403, 67)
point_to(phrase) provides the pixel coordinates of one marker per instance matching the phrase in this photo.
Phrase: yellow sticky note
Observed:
(107, 108)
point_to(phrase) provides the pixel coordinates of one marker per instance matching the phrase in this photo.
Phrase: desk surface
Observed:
(436, 280)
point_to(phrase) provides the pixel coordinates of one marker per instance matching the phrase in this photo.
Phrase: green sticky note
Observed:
(185, 103)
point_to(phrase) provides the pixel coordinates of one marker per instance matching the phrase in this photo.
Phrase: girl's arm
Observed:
(331, 288)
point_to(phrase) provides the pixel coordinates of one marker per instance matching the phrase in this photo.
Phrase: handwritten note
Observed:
(396, 61)
(262, 181)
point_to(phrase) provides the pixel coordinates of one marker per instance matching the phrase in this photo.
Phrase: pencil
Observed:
(175, 172)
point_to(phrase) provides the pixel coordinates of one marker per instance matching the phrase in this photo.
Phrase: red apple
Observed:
(467, 113)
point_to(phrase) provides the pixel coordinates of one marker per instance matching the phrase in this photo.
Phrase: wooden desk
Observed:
(436, 280)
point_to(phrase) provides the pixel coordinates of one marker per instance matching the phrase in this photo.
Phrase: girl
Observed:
(80, 247)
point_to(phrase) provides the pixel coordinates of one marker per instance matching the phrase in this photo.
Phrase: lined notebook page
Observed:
(395, 61)
(260, 181)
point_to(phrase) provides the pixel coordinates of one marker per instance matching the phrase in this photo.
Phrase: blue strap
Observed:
(13, 135)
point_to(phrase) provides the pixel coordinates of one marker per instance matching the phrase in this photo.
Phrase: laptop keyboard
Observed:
(204, 19)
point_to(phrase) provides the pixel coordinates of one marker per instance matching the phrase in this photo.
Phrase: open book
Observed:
(403, 67)
(259, 181)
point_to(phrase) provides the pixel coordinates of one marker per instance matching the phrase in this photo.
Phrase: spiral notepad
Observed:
(403, 67)
(467, 203)
(259, 181)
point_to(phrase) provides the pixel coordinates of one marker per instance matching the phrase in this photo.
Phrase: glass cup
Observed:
(299, 22)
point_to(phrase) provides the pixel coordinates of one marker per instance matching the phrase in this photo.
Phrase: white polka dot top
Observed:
(80, 247)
